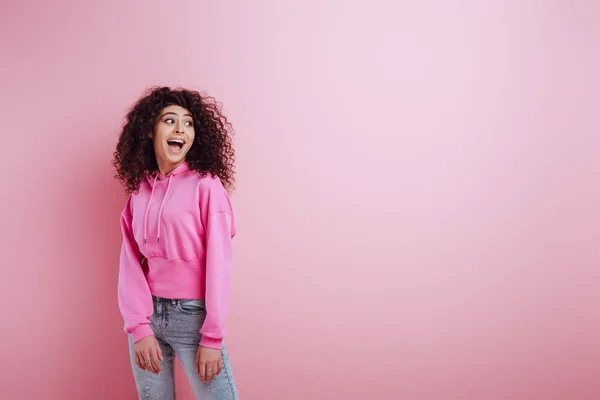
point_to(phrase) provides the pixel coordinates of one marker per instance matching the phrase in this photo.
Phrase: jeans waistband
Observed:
(163, 300)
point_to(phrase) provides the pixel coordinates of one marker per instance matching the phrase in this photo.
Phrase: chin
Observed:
(176, 159)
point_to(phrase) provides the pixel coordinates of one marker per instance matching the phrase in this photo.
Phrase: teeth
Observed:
(175, 141)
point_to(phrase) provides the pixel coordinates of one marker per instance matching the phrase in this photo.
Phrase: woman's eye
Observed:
(169, 120)
(189, 123)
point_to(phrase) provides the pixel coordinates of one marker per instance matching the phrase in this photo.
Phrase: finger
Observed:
(140, 358)
(159, 352)
(210, 372)
(146, 360)
(155, 361)
(197, 363)
(138, 361)
(219, 367)
(202, 368)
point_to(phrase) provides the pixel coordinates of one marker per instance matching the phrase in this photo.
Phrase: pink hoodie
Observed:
(183, 226)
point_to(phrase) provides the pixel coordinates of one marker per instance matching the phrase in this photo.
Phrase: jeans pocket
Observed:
(193, 307)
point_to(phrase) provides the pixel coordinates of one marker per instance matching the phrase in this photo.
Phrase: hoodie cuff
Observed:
(141, 332)
(211, 342)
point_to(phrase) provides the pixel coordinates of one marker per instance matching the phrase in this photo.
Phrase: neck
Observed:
(166, 169)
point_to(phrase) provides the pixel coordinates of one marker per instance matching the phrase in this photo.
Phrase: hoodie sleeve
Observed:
(220, 230)
(135, 300)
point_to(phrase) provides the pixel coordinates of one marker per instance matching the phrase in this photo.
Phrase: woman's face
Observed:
(173, 137)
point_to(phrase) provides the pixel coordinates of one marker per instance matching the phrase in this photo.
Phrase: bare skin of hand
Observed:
(209, 363)
(148, 354)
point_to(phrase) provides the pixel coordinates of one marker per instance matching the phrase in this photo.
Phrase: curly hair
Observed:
(212, 151)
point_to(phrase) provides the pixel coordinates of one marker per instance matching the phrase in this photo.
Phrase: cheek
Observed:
(192, 137)
(155, 141)
(159, 136)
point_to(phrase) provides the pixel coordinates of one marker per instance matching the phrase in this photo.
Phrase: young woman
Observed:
(176, 160)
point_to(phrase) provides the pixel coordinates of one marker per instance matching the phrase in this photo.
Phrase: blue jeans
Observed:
(176, 324)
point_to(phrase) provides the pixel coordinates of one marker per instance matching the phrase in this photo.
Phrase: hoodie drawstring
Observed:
(147, 208)
(162, 205)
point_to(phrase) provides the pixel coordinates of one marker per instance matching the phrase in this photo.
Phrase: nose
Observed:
(178, 127)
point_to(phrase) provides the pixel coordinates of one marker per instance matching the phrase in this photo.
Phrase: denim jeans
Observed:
(176, 324)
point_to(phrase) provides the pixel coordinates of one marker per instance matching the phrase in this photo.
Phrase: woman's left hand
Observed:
(209, 363)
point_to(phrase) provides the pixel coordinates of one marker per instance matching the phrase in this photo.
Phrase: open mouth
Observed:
(175, 145)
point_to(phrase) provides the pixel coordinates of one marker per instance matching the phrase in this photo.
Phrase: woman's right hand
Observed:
(148, 354)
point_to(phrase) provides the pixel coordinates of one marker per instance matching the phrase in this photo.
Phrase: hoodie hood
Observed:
(184, 167)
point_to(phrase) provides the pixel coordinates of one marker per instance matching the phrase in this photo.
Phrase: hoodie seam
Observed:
(175, 259)
(220, 212)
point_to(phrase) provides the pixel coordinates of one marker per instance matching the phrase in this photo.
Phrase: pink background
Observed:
(417, 203)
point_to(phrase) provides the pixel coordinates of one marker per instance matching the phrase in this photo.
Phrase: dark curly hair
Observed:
(212, 150)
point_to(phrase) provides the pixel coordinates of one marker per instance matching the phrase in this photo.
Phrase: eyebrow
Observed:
(171, 112)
